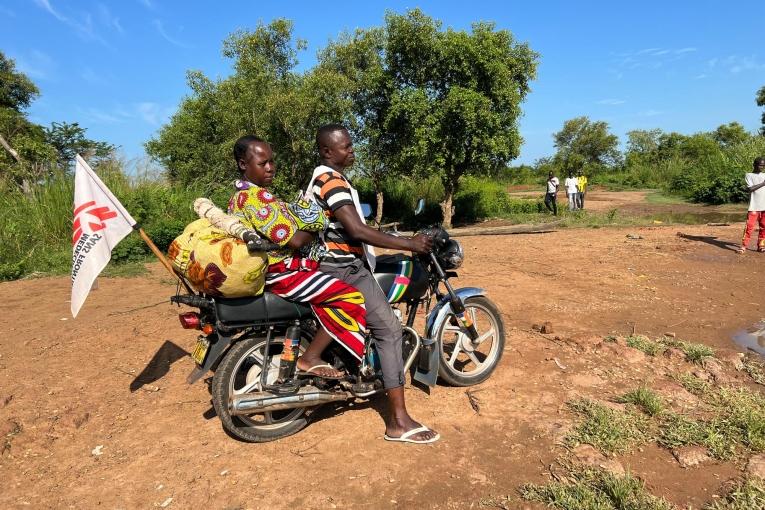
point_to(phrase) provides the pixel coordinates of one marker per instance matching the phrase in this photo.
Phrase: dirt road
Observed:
(95, 411)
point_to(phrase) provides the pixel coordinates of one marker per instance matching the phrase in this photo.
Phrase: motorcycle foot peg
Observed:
(366, 388)
(287, 388)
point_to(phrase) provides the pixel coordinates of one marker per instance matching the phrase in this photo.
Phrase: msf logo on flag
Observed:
(92, 215)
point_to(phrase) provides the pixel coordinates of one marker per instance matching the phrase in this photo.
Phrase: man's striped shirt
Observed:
(333, 191)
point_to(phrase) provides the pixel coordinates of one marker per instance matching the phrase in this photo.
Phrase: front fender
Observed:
(427, 370)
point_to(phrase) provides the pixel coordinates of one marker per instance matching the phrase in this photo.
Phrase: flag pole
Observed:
(161, 256)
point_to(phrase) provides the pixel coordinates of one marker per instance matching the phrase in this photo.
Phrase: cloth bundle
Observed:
(213, 256)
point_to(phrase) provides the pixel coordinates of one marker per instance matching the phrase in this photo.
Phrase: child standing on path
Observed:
(755, 182)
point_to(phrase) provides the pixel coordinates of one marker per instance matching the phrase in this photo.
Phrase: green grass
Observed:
(645, 344)
(606, 429)
(595, 489)
(659, 197)
(746, 495)
(693, 384)
(644, 398)
(695, 353)
(732, 420)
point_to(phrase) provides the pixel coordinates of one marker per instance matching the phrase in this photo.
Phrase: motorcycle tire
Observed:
(453, 365)
(240, 367)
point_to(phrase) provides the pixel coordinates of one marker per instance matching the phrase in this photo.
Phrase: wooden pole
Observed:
(162, 258)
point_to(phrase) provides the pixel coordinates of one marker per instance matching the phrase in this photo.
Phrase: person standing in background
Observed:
(581, 185)
(571, 191)
(551, 196)
(755, 180)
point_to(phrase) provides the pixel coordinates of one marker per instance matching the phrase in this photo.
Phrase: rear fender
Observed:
(430, 357)
(218, 346)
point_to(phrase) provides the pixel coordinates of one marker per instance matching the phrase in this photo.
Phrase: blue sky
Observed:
(118, 68)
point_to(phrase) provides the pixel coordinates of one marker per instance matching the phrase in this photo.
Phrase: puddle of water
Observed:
(692, 218)
(752, 338)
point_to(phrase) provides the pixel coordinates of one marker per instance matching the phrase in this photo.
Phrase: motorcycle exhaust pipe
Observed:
(263, 401)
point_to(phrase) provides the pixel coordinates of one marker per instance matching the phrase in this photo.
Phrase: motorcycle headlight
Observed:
(452, 255)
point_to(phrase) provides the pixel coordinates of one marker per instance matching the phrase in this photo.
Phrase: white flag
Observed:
(100, 222)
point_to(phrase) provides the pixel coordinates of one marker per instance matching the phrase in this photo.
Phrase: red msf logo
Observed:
(93, 216)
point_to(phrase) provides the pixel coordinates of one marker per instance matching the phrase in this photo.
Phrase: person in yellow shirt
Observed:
(581, 186)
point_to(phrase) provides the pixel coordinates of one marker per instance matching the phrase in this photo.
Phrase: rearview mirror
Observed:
(366, 210)
(420, 206)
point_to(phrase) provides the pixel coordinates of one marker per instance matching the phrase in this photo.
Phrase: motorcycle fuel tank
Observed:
(401, 277)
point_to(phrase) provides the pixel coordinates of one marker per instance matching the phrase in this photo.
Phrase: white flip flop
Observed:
(406, 437)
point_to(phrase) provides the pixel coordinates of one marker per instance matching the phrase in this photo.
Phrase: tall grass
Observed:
(36, 227)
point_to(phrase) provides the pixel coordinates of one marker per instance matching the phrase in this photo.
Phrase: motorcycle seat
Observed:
(266, 307)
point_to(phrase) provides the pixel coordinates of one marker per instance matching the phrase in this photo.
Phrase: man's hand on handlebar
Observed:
(421, 243)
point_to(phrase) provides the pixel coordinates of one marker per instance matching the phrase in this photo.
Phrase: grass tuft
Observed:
(595, 489)
(644, 398)
(692, 383)
(737, 421)
(747, 495)
(645, 344)
(606, 429)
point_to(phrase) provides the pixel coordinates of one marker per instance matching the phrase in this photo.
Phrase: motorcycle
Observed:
(252, 344)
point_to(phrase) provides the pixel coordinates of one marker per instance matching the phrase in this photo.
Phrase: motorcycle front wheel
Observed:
(239, 372)
(464, 362)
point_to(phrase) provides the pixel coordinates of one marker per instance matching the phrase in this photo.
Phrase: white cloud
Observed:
(650, 113)
(700, 77)
(153, 113)
(161, 30)
(611, 102)
(108, 20)
(82, 25)
(147, 4)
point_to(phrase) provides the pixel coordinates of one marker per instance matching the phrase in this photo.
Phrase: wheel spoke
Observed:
(455, 353)
(474, 359)
(484, 336)
(268, 418)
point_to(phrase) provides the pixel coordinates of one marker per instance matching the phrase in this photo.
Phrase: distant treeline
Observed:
(705, 167)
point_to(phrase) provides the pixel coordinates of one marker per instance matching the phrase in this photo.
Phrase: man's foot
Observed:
(741, 250)
(416, 436)
(411, 432)
(317, 368)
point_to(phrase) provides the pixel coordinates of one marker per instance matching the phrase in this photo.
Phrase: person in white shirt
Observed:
(572, 191)
(551, 196)
(755, 182)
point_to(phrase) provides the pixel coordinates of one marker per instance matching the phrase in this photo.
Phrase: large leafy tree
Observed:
(730, 134)
(434, 102)
(264, 96)
(583, 143)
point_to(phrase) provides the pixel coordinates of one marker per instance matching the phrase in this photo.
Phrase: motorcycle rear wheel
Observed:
(463, 363)
(239, 372)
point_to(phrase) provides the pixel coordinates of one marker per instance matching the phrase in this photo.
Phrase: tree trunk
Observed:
(10, 150)
(378, 214)
(446, 208)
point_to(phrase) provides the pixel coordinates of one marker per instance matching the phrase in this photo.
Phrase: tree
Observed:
(16, 90)
(760, 99)
(730, 134)
(432, 101)
(68, 140)
(264, 96)
(584, 143)
(642, 146)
